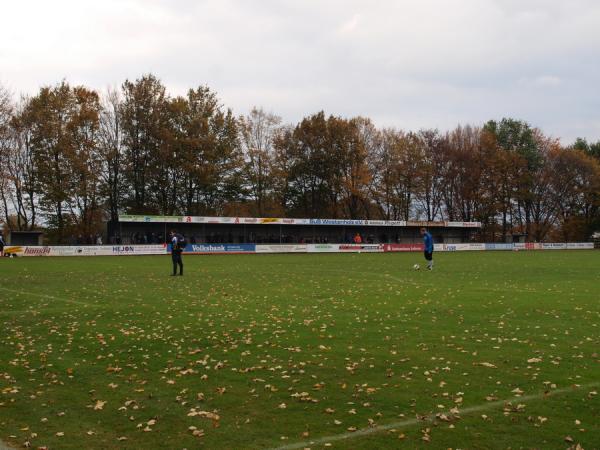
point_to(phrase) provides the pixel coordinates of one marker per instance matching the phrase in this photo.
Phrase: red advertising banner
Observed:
(403, 248)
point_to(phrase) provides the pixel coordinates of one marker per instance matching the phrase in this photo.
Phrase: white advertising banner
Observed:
(477, 247)
(580, 245)
(463, 247)
(371, 248)
(281, 248)
(458, 247)
(554, 246)
(323, 248)
(463, 224)
(155, 249)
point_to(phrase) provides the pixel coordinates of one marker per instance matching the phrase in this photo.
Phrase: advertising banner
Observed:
(554, 246)
(403, 247)
(499, 246)
(580, 245)
(476, 247)
(458, 247)
(424, 223)
(159, 249)
(373, 248)
(284, 221)
(156, 249)
(463, 224)
(281, 248)
(219, 248)
(323, 248)
(91, 250)
(337, 222)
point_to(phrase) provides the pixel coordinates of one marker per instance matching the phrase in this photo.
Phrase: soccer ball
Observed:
(416, 267)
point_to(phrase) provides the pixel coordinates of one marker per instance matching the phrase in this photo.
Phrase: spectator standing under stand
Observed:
(357, 239)
(2, 244)
(177, 247)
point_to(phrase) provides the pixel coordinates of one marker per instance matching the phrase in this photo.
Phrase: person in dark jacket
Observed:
(428, 247)
(177, 247)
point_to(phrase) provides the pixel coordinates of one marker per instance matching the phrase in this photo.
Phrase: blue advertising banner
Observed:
(219, 248)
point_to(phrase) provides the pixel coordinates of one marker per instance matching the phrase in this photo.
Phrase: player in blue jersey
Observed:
(428, 247)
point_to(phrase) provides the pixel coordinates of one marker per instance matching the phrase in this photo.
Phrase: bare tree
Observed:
(111, 151)
(258, 131)
(5, 147)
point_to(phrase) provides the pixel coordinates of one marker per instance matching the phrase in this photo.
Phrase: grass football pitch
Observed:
(490, 350)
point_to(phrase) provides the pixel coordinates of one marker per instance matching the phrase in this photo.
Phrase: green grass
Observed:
(271, 343)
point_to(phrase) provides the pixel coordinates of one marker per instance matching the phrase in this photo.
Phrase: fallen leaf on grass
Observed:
(99, 405)
(485, 364)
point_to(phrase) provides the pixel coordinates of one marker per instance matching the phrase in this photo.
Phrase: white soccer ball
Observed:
(416, 267)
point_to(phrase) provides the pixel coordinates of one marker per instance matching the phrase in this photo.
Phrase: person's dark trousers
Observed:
(429, 258)
(177, 261)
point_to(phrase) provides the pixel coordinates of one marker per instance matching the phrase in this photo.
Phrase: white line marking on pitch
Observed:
(50, 297)
(409, 422)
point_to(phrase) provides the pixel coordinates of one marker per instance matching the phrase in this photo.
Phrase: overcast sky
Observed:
(408, 64)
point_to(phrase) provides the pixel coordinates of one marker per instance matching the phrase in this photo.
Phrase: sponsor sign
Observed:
(476, 247)
(219, 248)
(424, 223)
(554, 246)
(91, 250)
(337, 222)
(37, 251)
(14, 250)
(323, 248)
(403, 247)
(157, 249)
(361, 248)
(499, 246)
(463, 224)
(78, 251)
(395, 223)
(580, 245)
(281, 248)
(459, 247)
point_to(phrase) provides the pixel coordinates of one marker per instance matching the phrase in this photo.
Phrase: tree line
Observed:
(72, 158)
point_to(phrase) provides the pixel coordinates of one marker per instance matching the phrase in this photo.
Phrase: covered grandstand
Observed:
(141, 229)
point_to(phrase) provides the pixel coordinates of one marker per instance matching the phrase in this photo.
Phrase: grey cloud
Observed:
(432, 63)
